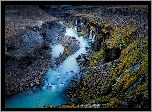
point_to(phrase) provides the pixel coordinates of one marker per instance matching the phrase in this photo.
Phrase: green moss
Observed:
(93, 28)
(113, 103)
(89, 75)
(130, 77)
(139, 88)
(66, 51)
(10, 80)
(84, 32)
(70, 24)
(95, 57)
(121, 34)
(93, 62)
(101, 52)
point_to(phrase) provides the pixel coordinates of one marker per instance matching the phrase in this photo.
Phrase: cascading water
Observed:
(81, 21)
(76, 23)
(55, 81)
(93, 39)
(90, 36)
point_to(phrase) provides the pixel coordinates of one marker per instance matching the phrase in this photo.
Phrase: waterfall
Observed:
(90, 36)
(81, 22)
(93, 39)
(120, 46)
(76, 22)
(75, 28)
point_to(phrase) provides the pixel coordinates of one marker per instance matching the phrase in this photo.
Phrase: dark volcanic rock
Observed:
(112, 54)
(135, 101)
(71, 48)
(70, 45)
(19, 46)
(28, 30)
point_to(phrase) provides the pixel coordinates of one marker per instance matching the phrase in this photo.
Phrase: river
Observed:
(55, 81)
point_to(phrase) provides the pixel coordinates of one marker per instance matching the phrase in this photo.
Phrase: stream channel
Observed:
(55, 80)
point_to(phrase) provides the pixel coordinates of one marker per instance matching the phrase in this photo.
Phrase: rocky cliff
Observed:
(28, 31)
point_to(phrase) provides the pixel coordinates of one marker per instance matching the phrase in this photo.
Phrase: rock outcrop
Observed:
(70, 45)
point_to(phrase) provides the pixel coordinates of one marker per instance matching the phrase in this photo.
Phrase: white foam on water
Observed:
(83, 42)
(69, 64)
(71, 32)
(50, 77)
(57, 50)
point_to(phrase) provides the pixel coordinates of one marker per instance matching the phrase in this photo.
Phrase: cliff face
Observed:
(28, 30)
